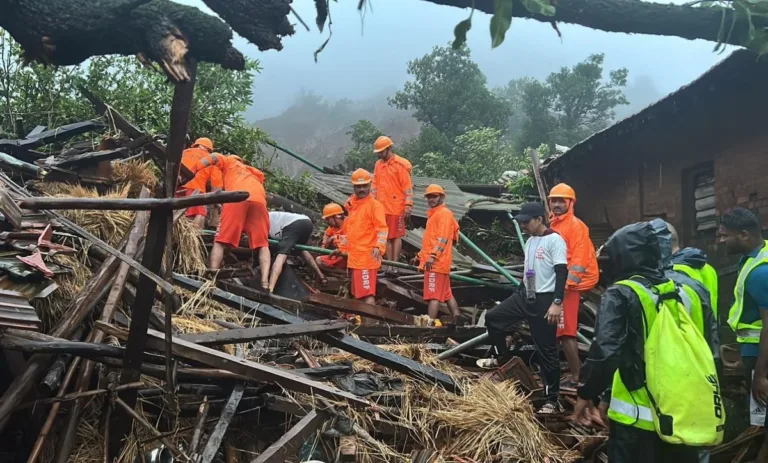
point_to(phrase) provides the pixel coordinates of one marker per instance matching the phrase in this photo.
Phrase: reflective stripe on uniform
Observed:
(574, 278)
(748, 333)
(578, 268)
(636, 411)
(736, 311)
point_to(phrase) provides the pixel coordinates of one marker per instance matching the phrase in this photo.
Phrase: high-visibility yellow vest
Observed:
(746, 332)
(633, 408)
(706, 275)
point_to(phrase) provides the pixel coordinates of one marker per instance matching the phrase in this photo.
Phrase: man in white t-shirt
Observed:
(291, 229)
(538, 301)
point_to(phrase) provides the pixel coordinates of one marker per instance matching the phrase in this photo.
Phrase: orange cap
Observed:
(361, 177)
(205, 142)
(561, 190)
(434, 190)
(332, 209)
(382, 143)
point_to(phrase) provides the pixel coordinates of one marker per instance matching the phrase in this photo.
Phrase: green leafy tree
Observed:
(363, 133)
(449, 92)
(572, 103)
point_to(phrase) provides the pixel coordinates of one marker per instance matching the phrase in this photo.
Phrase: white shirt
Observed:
(278, 220)
(542, 253)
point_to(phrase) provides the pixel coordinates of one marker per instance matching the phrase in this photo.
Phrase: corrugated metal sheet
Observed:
(15, 312)
(337, 188)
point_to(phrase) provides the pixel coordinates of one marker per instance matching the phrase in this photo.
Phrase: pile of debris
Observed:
(106, 357)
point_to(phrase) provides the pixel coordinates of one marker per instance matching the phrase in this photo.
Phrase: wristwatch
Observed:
(558, 301)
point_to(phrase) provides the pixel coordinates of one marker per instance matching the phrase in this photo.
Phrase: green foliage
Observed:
(363, 134)
(501, 20)
(572, 103)
(498, 241)
(748, 11)
(295, 189)
(49, 96)
(449, 92)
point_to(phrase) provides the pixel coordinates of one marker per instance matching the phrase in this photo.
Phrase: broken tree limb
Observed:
(280, 450)
(240, 335)
(119, 204)
(346, 343)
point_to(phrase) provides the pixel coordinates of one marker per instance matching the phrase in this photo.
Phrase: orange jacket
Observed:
(236, 176)
(582, 261)
(192, 156)
(392, 184)
(364, 229)
(442, 231)
(331, 237)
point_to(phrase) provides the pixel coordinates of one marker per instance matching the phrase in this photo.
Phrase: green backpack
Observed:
(681, 378)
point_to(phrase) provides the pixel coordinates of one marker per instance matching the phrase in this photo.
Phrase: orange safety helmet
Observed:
(434, 190)
(561, 190)
(382, 143)
(204, 142)
(361, 177)
(238, 158)
(331, 210)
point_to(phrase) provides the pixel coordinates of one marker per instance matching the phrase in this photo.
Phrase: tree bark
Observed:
(630, 17)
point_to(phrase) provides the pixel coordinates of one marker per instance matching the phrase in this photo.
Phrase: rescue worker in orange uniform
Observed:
(200, 148)
(250, 216)
(582, 271)
(436, 255)
(364, 237)
(334, 218)
(392, 186)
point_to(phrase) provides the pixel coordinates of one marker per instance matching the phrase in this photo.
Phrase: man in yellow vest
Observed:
(616, 356)
(741, 234)
(693, 262)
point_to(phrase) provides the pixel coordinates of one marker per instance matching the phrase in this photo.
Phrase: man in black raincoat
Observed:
(633, 251)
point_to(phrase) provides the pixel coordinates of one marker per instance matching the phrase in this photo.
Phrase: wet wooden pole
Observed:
(160, 223)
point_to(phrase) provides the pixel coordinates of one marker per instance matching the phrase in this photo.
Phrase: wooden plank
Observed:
(10, 209)
(92, 157)
(251, 370)
(214, 442)
(417, 332)
(155, 244)
(360, 308)
(539, 179)
(125, 204)
(346, 343)
(235, 336)
(286, 445)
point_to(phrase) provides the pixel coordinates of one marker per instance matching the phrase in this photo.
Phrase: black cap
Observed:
(529, 211)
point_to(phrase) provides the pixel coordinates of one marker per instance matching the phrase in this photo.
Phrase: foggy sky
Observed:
(370, 55)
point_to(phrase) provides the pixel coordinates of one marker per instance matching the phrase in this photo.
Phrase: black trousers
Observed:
(502, 319)
(628, 444)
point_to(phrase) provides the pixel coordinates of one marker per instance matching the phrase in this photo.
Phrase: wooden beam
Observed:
(346, 343)
(235, 336)
(214, 442)
(149, 204)
(157, 233)
(251, 370)
(360, 308)
(293, 439)
(92, 157)
(62, 346)
(417, 332)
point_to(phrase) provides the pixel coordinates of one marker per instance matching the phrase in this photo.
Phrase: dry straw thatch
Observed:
(135, 173)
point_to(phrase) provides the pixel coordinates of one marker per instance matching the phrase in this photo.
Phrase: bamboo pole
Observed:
(488, 259)
(465, 279)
